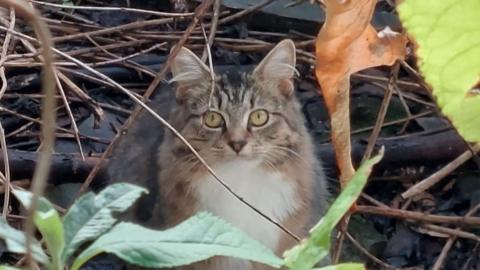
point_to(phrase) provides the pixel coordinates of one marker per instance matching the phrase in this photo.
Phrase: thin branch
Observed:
(213, 29)
(70, 115)
(48, 114)
(406, 215)
(3, 56)
(141, 11)
(6, 165)
(440, 174)
(382, 112)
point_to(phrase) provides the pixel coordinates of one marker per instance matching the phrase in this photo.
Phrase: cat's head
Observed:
(250, 115)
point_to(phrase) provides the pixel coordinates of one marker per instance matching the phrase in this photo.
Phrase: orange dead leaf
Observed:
(348, 43)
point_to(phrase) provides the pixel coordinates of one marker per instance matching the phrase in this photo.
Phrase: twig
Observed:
(448, 245)
(142, 11)
(404, 214)
(5, 46)
(213, 30)
(457, 233)
(210, 67)
(98, 112)
(128, 26)
(70, 115)
(367, 253)
(48, 115)
(440, 174)
(6, 165)
(122, 59)
(382, 112)
(245, 12)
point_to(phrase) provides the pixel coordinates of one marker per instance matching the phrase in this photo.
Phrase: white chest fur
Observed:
(269, 192)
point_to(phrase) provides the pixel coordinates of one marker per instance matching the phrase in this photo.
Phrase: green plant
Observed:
(447, 39)
(200, 237)
(91, 217)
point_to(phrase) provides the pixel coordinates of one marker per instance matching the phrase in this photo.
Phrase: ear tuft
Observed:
(279, 66)
(187, 68)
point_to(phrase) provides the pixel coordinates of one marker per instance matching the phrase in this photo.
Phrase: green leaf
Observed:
(15, 241)
(6, 267)
(448, 36)
(91, 215)
(305, 255)
(49, 224)
(198, 238)
(343, 266)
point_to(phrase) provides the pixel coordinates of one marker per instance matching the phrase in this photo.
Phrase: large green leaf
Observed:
(6, 267)
(198, 238)
(448, 36)
(15, 241)
(49, 224)
(343, 266)
(305, 255)
(92, 215)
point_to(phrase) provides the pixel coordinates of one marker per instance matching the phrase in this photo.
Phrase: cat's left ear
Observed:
(278, 67)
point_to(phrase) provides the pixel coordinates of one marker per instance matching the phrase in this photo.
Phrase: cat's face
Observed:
(252, 116)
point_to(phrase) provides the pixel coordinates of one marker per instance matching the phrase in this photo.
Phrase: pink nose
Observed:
(237, 146)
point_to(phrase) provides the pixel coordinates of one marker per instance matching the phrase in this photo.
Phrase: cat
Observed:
(251, 131)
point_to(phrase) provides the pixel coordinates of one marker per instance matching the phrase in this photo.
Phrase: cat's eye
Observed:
(258, 118)
(213, 119)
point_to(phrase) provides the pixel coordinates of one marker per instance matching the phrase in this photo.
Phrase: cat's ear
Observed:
(279, 67)
(188, 70)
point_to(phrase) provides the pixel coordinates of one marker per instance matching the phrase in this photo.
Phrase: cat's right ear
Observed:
(188, 70)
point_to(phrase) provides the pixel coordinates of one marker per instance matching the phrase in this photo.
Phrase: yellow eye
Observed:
(258, 118)
(213, 119)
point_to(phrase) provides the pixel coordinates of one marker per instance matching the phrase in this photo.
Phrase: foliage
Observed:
(447, 36)
(203, 235)
(198, 238)
(195, 239)
(315, 248)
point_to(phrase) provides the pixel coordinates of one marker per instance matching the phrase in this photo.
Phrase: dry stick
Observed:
(127, 63)
(6, 44)
(367, 253)
(99, 114)
(244, 12)
(475, 253)
(394, 122)
(123, 27)
(440, 174)
(210, 64)
(382, 112)
(448, 245)
(6, 164)
(70, 115)
(122, 59)
(405, 214)
(149, 12)
(200, 10)
(3, 109)
(213, 30)
(405, 107)
(48, 115)
(457, 233)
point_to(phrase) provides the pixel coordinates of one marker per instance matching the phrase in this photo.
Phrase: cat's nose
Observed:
(237, 146)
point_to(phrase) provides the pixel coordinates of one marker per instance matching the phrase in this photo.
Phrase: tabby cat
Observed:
(250, 130)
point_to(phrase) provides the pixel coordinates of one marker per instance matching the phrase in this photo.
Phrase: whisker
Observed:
(288, 150)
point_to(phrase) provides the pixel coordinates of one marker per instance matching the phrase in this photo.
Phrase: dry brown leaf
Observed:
(348, 43)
